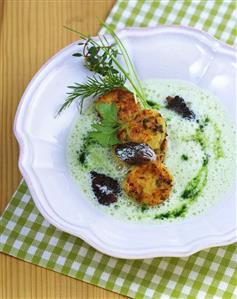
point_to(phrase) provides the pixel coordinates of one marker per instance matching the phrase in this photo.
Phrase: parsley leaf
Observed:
(108, 112)
(106, 131)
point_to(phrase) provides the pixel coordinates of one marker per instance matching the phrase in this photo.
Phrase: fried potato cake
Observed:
(161, 153)
(148, 126)
(149, 183)
(125, 103)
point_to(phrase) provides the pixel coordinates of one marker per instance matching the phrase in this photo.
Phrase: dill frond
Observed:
(94, 86)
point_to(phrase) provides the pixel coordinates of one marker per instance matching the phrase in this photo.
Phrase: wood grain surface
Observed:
(31, 31)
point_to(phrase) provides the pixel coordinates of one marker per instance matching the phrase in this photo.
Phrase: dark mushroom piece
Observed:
(135, 153)
(105, 188)
(178, 105)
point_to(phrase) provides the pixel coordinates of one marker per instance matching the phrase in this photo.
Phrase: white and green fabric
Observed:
(210, 273)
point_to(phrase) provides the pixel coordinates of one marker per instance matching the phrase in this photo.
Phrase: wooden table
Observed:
(31, 31)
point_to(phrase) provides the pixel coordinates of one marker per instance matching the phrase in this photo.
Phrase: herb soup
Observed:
(199, 153)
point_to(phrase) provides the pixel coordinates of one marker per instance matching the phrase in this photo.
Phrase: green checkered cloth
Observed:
(208, 274)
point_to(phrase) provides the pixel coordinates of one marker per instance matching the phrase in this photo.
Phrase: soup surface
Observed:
(199, 153)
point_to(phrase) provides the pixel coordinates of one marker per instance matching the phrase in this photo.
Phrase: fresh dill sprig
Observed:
(95, 86)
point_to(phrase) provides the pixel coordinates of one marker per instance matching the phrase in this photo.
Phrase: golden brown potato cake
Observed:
(125, 102)
(161, 152)
(148, 126)
(149, 183)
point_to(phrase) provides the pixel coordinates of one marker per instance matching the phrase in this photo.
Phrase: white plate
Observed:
(172, 52)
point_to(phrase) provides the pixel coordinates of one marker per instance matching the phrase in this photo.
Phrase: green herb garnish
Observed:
(101, 57)
(95, 86)
(106, 131)
(96, 59)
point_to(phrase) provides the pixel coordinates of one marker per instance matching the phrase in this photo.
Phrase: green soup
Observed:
(198, 155)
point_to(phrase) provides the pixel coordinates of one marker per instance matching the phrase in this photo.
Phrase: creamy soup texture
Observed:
(200, 156)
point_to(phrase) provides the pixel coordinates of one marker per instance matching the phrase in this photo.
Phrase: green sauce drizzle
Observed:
(199, 135)
(196, 185)
(83, 152)
(184, 157)
(217, 143)
(144, 208)
(201, 138)
(175, 213)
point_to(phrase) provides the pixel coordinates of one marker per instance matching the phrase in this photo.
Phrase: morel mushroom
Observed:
(105, 188)
(178, 105)
(135, 153)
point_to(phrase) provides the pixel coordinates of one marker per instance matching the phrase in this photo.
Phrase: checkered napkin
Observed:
(208, 274)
